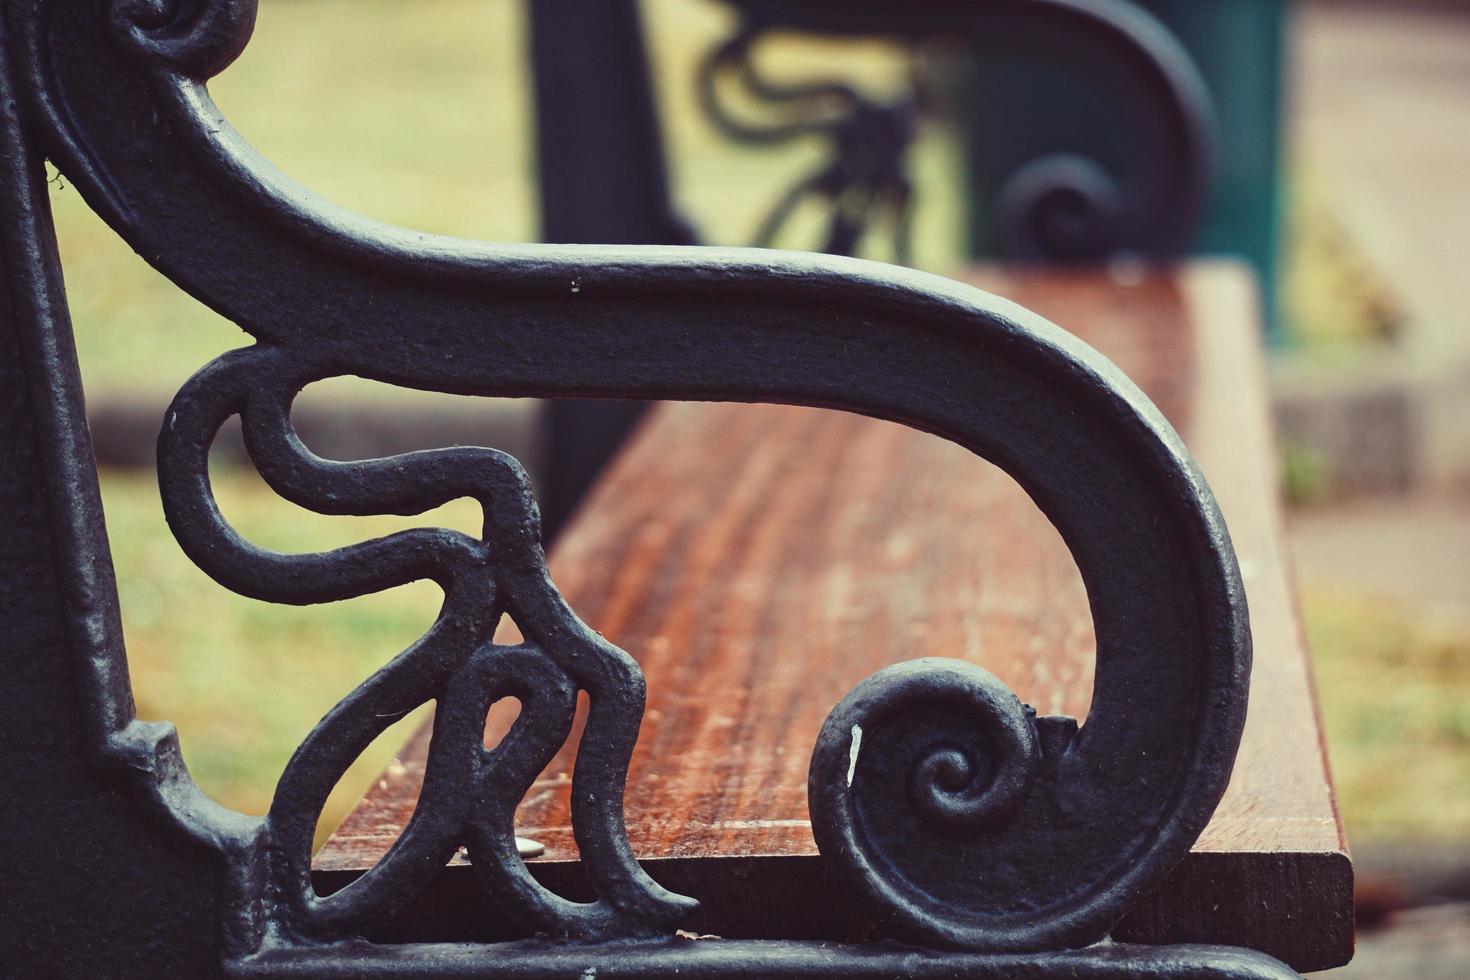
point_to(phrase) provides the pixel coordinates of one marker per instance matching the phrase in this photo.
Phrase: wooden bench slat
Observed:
(761, 560)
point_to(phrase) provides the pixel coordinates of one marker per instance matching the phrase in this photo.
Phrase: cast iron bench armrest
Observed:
(761, 560)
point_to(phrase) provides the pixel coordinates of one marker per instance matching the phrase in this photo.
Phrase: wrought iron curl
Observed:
(864, 178)
(912, 773)
(198, 37)
(1060, 206)
(955, 788)
(812, 108)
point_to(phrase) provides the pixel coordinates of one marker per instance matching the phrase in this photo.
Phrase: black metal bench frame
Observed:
(985, 841)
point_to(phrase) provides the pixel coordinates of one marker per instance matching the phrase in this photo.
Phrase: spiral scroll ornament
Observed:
(199, 38)
(912, 772)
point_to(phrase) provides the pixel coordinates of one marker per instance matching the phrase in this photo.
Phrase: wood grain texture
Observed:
(760, 561)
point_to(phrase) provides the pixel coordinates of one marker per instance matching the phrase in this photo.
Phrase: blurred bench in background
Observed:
(1087, 131)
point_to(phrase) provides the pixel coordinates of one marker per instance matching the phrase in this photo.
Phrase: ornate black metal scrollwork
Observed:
(469, 793)
(1012, 842)
(865, 176)
(910, 772)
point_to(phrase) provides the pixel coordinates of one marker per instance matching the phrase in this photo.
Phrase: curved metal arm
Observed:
(1089, 818)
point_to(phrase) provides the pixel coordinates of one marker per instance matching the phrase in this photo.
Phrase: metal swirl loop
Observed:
(469, 794)
(864, 178)
(199, 38)
(911, 772)
(1110, 809)
(1056, 207)
(1060, 208)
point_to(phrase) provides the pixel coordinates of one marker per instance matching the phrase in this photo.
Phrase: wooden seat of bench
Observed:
(759, 561)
